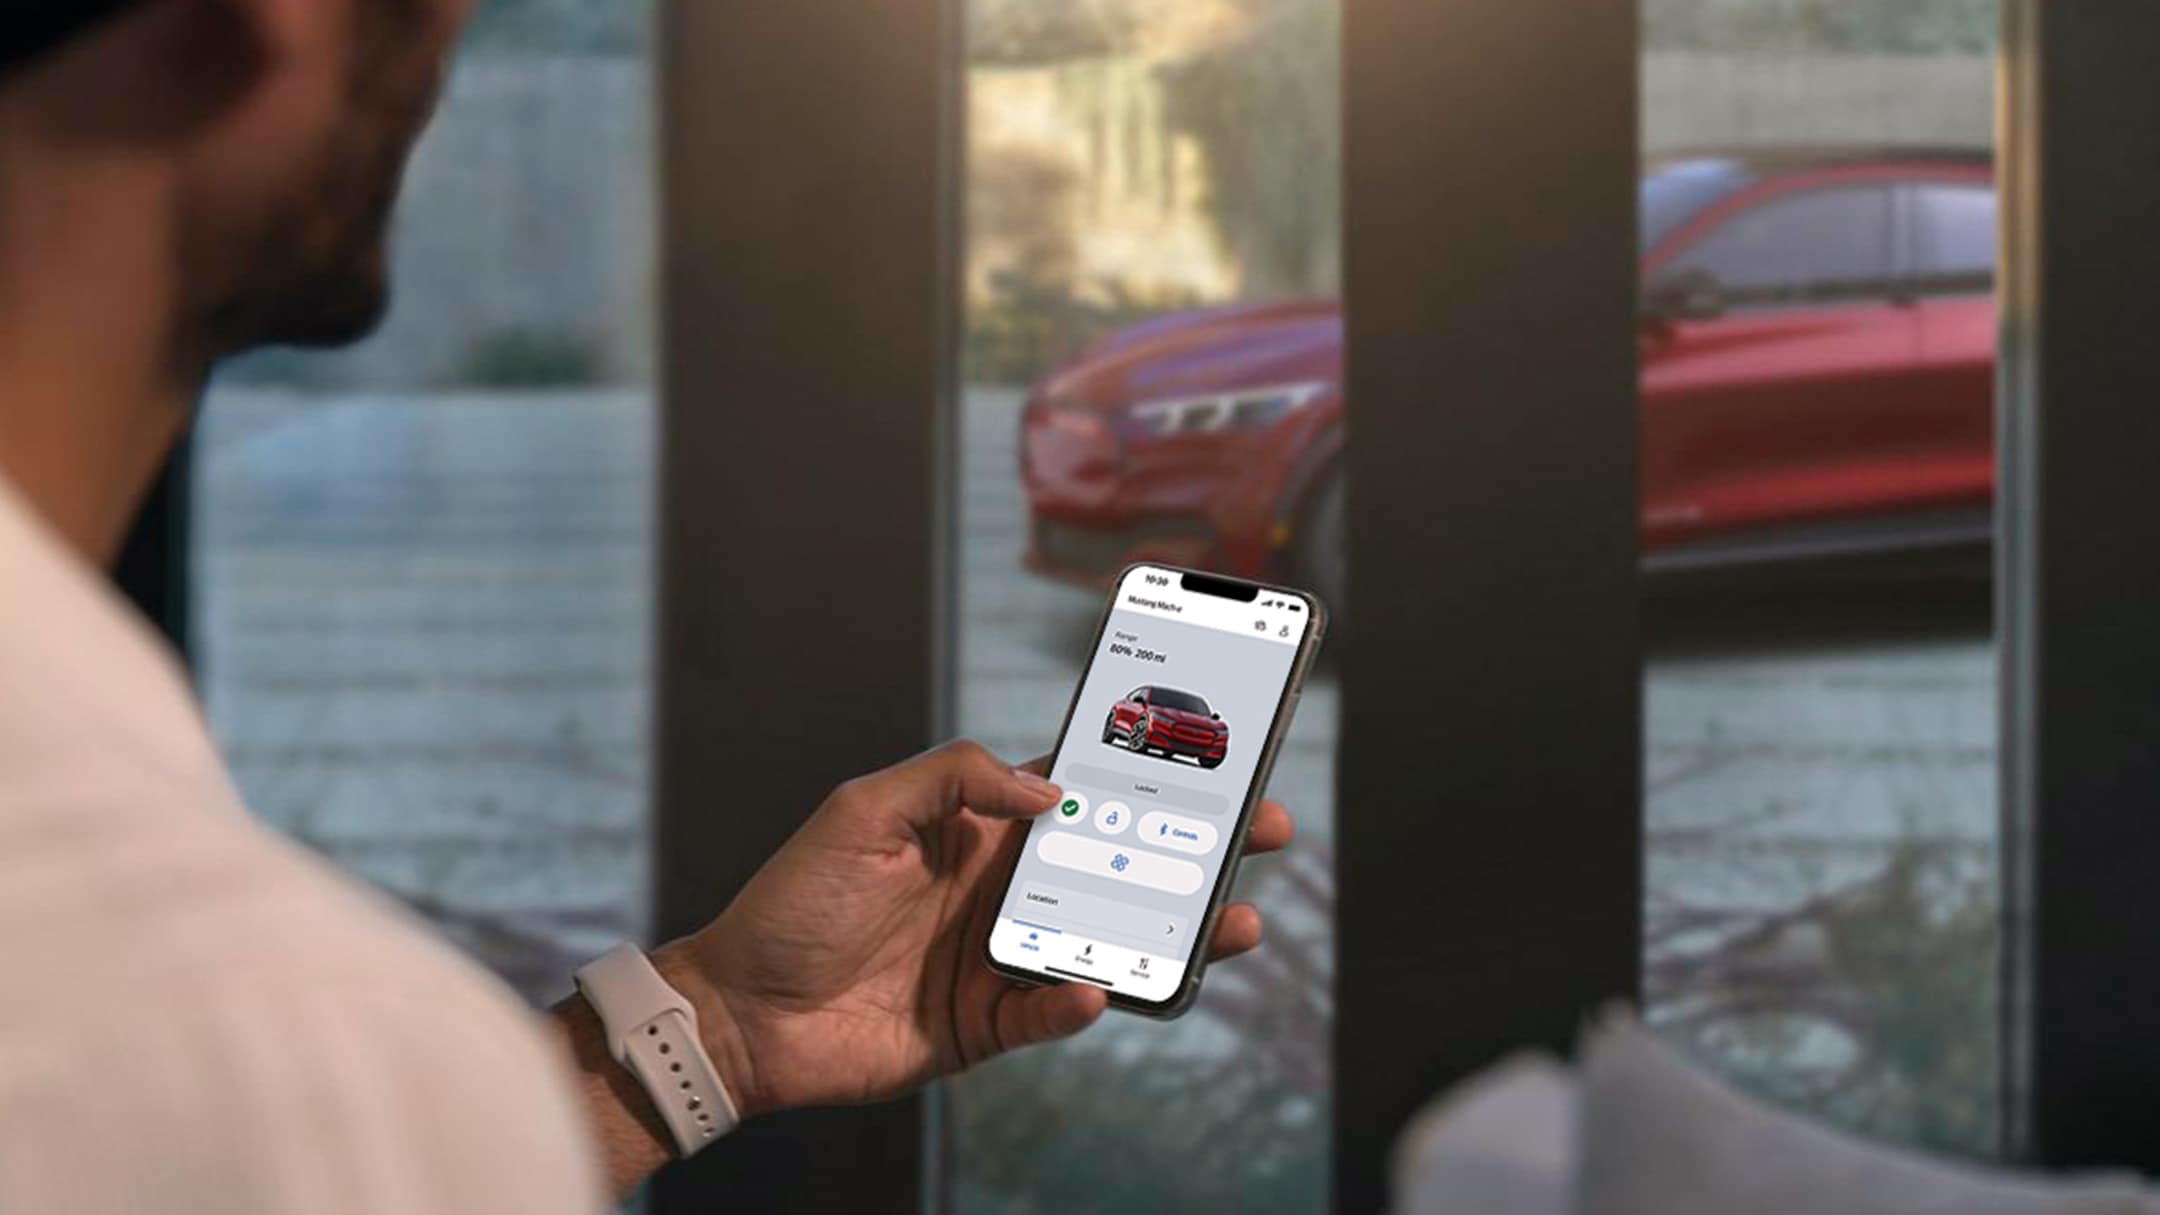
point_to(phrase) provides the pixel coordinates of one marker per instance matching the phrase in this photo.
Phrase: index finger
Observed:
(937, 783)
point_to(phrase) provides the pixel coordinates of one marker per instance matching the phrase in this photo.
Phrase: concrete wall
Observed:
(1692, 98)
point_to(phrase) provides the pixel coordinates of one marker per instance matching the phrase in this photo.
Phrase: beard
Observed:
(312, 269)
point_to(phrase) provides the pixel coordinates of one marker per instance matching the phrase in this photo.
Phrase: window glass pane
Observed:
(422, 563)
(1822, 236)
(1820, 678)
(1675, 192)
(1152, 366)
(1957, 231)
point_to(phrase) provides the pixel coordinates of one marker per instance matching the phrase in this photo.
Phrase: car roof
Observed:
(1799, 157)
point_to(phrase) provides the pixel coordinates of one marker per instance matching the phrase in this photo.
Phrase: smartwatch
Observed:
(652, 1031)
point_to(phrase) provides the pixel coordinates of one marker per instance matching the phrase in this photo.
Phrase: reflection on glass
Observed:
(1153, 369)
(1817, 469)
(422, 564)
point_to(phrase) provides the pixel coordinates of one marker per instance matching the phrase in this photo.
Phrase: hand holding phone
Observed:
(1165, 750)
(849, 968)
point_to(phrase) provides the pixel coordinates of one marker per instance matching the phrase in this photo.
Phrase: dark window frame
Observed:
(2076, 595)
(805, 312)
(1505, 523)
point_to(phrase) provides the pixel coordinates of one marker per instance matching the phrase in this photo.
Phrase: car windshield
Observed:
(1677, 191)
(1171, 698)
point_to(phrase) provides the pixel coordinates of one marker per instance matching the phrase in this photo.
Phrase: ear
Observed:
(153, 70)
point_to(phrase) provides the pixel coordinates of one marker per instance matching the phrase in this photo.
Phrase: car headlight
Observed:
(1240, 409)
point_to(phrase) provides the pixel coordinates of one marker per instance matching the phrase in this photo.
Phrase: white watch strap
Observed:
(652, 1031)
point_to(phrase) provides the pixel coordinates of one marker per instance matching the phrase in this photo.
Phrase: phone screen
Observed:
(1159, 764)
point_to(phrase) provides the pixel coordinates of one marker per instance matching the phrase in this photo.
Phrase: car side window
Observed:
(1955, 248)
(1807, 247)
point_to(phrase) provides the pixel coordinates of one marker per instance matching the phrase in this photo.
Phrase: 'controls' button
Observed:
(1167, 830)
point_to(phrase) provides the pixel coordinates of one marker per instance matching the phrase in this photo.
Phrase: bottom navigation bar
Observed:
(1070, 955)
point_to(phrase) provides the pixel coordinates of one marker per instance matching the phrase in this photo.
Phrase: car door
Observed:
(1952, 408)
(1771, 400)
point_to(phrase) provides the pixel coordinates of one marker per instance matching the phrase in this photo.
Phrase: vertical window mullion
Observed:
(1490, 825)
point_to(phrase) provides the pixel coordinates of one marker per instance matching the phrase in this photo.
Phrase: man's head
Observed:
(268, 136)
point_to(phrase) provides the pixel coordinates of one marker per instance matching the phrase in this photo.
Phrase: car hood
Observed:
(1181, 717)
(1215, 350)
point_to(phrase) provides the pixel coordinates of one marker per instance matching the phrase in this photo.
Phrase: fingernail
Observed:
(1035, 784)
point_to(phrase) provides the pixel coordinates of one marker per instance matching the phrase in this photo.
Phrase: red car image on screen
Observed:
(1817, 365)
(1169, 723)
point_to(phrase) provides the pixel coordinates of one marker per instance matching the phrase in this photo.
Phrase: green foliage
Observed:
(1787, 26)
(1266, 110)
(1032, 33)
(1900, 968)
(1921, 946)
(529, 358)
(1083, 1129)
(1031, 324)
(1038, 314)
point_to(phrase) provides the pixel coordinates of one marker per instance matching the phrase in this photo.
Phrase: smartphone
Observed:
(1164, 753)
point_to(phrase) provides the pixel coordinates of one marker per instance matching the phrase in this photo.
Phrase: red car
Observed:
(1167, 722)
(1817, 362)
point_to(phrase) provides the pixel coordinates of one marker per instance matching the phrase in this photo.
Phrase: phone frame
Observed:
(1181, 1002)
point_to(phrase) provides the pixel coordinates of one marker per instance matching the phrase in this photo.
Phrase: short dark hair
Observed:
(41, 25)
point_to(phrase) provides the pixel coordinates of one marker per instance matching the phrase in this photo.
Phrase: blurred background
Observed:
(422, 571)
(424, 579)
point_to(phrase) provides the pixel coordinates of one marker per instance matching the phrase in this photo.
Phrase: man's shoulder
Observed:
(194, 968)
(180, 890)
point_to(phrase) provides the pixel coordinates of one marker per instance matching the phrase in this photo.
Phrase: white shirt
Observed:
(197, 1016)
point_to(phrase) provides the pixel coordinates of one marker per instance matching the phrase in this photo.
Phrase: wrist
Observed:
(720, 1029)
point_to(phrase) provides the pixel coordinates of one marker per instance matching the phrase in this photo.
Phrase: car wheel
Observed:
(1137, 740)
(1109, 728)
(1322, 552)
(1211, 763)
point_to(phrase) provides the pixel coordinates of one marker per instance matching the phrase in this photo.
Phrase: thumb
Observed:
(1027, 1016)
(938, 783)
